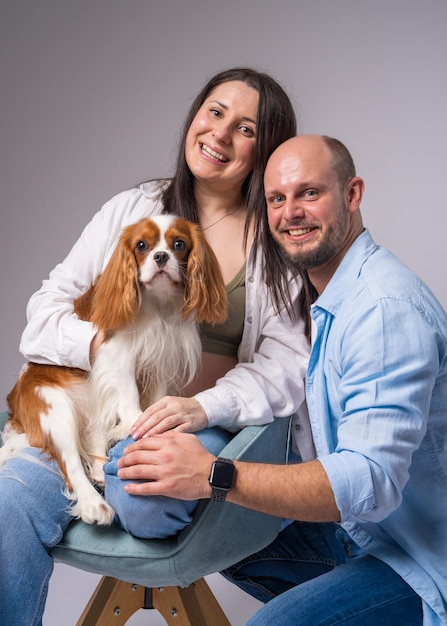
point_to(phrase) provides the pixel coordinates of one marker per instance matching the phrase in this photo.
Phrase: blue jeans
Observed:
(157, 516)
(315, 575)
(34, 513)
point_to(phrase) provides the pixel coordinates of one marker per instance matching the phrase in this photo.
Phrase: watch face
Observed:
(222, 475)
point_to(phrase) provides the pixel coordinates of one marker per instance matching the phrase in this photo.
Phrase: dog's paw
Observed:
(96, 472)
(13, 442)
(120, 432)
(95, 511)
(4, 456)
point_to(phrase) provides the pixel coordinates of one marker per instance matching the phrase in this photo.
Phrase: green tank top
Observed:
(224, 339)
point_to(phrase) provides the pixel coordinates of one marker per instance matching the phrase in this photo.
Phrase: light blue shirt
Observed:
(377, 399)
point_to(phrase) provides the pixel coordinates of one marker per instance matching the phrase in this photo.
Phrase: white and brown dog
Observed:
(161, 281)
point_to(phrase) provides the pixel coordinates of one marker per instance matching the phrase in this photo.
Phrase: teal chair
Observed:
(168, 574)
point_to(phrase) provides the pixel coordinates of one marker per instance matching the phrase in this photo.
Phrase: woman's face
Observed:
(221, 141)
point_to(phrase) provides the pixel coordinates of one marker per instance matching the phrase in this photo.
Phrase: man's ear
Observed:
(354, 191)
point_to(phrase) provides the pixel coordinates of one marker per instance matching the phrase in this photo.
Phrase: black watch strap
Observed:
(221, 478)
(218, 495)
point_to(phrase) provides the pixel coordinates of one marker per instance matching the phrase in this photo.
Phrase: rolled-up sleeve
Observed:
(380, 373)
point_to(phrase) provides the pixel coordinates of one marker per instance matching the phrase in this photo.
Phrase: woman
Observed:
(253, 365)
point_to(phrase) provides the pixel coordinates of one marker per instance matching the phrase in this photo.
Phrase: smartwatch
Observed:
(221, 478)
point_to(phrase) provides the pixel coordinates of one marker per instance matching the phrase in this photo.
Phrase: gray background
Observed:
(94, 94)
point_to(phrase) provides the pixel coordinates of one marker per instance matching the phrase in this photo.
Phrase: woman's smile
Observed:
(209, 152)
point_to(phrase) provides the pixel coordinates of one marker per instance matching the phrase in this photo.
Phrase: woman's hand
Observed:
(172, 464)
(171, 412)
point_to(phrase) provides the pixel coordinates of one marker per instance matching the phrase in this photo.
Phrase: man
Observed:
(370, 543)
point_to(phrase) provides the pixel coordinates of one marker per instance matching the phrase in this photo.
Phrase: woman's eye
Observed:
(142, 246)
(247, 130)
(179, 245)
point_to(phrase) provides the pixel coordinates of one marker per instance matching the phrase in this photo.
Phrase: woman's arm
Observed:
(268, 381)
(54, 334)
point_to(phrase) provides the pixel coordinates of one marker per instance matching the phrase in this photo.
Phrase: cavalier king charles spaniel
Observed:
(162, 280)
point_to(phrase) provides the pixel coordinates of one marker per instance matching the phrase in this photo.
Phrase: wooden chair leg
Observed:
(190, 606)
(115, 601)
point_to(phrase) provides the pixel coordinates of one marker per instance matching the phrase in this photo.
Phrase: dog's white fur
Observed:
(161, 281)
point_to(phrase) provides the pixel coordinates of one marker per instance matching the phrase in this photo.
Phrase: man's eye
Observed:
(276, 199)
(310, 193)
(142, 246)
(179, 245)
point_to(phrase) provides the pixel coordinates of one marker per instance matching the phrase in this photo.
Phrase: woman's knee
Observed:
(32, 494)
(154, 516)
(146, 517)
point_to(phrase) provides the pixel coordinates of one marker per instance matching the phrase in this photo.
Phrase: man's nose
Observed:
(292, 209)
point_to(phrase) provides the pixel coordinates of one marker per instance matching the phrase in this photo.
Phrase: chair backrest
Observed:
(219, 535)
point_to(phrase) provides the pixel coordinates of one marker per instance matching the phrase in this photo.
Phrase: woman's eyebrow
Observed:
(224, 106)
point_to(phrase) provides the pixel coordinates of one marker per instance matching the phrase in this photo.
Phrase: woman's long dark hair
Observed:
(275, 262)
(276, 122)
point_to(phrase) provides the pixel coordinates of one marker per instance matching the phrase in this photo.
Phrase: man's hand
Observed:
(174, 464)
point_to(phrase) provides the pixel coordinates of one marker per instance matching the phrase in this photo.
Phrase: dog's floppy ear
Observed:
(83, 305)
(116, 294)
(205, 293)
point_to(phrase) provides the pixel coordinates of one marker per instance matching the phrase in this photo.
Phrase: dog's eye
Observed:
(179, 245)
(142, 246)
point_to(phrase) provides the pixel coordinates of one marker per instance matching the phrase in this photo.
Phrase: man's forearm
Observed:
(300, 491)
(176, 465)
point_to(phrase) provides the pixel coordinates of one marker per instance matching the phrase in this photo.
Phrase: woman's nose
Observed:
(222, 133)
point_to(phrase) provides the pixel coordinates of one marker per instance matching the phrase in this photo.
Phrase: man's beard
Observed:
(306, 260)
(301, 260)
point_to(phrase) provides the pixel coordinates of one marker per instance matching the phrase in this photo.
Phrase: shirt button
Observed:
(249, 320)
(251, 279)
(297, 427)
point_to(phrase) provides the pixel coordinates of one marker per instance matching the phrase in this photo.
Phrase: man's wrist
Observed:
(221, 478)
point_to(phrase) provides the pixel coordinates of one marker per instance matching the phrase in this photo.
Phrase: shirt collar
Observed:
(344, 279)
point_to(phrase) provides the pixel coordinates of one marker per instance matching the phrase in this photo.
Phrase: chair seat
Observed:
(219, 535)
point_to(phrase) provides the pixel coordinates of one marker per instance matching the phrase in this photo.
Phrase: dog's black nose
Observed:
(161, 258)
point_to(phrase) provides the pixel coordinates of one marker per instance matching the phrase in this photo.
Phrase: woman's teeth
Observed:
(214, 154)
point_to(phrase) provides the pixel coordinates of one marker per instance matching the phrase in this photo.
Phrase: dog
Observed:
(162, 280)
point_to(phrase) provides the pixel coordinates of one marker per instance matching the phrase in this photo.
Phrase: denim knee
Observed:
(153, 516)
(33, 490)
